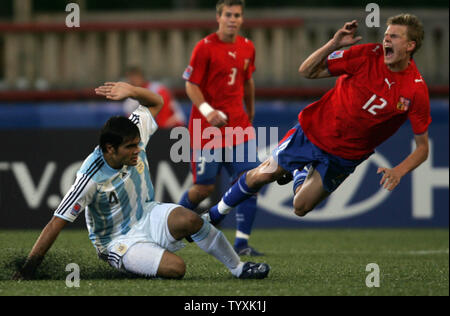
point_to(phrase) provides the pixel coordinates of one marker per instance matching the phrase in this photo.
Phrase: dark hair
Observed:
(221, 3)
(134, 70)
(117, 130)
(415, 27)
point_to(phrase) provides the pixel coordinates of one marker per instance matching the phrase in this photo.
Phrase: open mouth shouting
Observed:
(388, 51)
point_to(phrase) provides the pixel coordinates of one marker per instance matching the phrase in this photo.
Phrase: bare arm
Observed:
(249, 98)
(40, 248)
(121, 90)
(315, 65)
(195, 94)
(391, 177)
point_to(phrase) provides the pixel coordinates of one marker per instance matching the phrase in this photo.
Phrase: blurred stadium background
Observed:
(49, 115)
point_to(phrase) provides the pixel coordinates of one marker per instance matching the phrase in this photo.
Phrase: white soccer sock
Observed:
(214, 242)
(223, 208)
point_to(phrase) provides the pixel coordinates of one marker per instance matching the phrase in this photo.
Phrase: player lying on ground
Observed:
(128, 228)
(379, 88)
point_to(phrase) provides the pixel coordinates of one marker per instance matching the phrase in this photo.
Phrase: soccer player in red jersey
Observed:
(378, 89)
(218, 81)
(171, 115)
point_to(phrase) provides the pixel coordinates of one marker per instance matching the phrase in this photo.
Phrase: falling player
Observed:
(218, 79)
(379, 88)
(128, 228)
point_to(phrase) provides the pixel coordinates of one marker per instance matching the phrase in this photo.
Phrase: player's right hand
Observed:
(345, 36)
(115, 90)
(217, 118)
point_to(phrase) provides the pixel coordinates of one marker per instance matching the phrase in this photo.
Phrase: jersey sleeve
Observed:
(78, 197)
(347, 61)
(129, 105)
(198, 66)
(419, 114)
(251, 66)
(145, 122)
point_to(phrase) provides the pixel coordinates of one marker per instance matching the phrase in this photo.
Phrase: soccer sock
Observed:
(245, 216)
(238, 193)
(241, 240)
(185, 202)
(300, 177)
(214, 242)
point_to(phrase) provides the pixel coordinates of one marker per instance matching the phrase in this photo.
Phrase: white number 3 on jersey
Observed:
(373, 107)
(232, 76)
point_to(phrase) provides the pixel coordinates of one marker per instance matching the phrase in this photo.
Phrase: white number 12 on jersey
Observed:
(372, 107)
(232, 76)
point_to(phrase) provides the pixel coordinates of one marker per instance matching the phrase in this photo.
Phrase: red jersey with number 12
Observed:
(368, 104)
(220, 70)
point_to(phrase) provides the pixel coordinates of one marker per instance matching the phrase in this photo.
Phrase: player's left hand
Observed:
(25, 273)
(345, 36)
(115, 90)
(18, 276)
(391, 178)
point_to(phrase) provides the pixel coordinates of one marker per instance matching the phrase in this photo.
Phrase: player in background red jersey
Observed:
(171, 115)
(379, 88)
(218, 81)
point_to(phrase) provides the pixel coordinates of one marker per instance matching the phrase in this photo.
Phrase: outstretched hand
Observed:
(115, 90)
(391, 178)
(345, 36)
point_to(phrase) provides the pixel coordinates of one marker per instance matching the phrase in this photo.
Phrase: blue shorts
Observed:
(296, 151)
(207, 164)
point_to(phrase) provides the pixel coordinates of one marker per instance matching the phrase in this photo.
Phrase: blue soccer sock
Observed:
(185, 202)
(245, 216)
(300, 176)
(238, 193)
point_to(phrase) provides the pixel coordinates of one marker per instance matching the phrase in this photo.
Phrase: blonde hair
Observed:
(415, 28)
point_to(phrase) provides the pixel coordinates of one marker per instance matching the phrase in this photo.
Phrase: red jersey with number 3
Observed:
(220, 70)
(368, 104)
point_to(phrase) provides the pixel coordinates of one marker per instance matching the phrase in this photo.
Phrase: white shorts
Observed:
(153, 229)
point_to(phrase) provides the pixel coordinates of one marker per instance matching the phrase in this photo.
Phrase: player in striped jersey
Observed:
(128, 228)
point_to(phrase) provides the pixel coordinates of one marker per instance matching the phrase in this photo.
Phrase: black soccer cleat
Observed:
(252, 270)
(285, 179)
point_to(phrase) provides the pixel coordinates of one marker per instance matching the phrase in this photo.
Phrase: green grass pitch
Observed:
(304, 262)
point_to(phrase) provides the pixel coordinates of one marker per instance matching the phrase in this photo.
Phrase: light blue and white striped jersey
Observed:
(114, 199)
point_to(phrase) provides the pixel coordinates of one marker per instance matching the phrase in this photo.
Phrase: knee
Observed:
(193, 222)
(176, 270)
(301, 208)
(301, 212)
(183, 223)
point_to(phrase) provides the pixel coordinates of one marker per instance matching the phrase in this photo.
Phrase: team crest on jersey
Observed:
(140, 166)
(120, 249)
(188, 72)
(335, 55)
(76, 209)
(403, 104)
